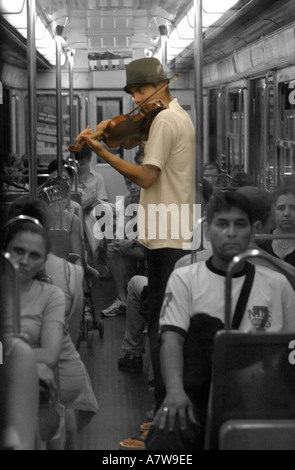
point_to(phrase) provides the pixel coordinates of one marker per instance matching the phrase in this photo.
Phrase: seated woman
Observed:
(42, 312)
(284, 202)
(75, 387)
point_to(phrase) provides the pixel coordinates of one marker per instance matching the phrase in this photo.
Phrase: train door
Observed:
(235, 132)
(103, 105)
(286, 141)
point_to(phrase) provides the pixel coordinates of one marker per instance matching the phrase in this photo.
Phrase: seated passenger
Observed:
(270, 305)
(61, 218)
(12, 175)
(136, 318)
(264, 222)
(284, 200)
(123, 255)
(211, 173)
(75, 386)
(42, 312)
(68, 174)
(91, 185)
(242, 179)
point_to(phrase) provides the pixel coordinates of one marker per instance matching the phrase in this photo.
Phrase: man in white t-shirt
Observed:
(199, 289)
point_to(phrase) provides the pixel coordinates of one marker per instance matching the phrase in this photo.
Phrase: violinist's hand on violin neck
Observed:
(102, 125)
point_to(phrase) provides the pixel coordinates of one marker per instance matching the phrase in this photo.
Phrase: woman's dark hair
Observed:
(283, 192)
(33, 208)
(224, 201)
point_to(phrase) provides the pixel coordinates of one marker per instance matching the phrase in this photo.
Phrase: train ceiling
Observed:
(112, 29)
(120, 30)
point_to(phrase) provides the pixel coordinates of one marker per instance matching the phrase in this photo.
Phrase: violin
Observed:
(125, 130)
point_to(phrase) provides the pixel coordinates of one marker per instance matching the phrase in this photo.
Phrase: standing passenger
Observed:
(166, 177)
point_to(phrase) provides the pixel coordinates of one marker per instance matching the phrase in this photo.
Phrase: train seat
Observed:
(253, 384)
(60, 243)
(257, 435)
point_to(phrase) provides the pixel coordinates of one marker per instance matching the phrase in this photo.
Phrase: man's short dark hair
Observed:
(224, 201)
(261, 202)
(86, 152)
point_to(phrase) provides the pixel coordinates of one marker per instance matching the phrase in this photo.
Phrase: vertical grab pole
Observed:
(199, 107)
(164, 38)
(59, 31)
(71, 55)
(199, 104)
(32, 106)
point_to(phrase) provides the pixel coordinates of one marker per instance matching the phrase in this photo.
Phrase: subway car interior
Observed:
(63, 67)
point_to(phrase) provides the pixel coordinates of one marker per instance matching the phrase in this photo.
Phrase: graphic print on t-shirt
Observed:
(261, 317)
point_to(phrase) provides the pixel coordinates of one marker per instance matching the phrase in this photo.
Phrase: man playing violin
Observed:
(166, 177)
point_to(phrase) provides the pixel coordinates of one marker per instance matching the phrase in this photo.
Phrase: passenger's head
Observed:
(284, 201)
(84, 156)
(53, 165)
(144, 77)
(229, 224)
(133, 188)
(27, 235)
(211, 171)
(242, 179)
(262, 208)
(207, 191)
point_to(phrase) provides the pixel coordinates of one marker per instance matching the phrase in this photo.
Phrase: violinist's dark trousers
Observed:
(160, 265)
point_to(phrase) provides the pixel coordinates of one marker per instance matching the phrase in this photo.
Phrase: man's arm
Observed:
(176, 402)
(144, 176)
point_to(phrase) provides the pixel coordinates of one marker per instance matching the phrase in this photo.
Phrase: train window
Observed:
(108, 108)
(287, 98)
(235, 135)
(46, 126)
(5, 130)
(270, 138)
(286, 150)
(216, 137)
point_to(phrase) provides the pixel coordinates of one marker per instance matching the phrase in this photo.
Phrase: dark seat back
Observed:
(252, 379)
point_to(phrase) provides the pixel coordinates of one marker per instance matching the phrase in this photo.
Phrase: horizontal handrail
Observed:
(265, 236)
(234, 267)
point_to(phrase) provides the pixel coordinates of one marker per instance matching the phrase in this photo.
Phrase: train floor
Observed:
(124, 399)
